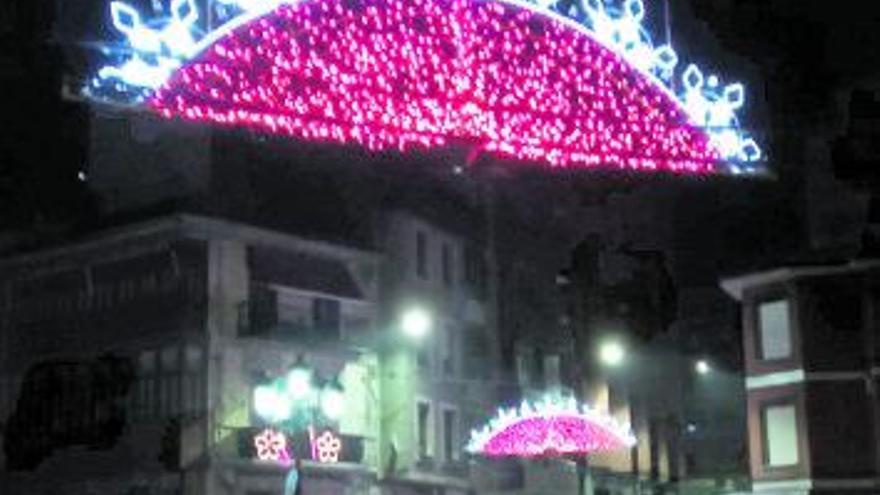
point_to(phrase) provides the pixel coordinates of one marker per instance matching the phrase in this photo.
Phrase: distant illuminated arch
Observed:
(549, 428)
(509, 77)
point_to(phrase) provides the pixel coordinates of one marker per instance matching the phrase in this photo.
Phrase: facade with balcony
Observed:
(130, 359)
(810, 342)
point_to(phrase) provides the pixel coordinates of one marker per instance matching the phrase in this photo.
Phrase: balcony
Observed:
(258, 319)
(351, 451)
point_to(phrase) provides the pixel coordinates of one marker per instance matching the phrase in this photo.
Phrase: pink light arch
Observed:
(560, 435)
(399, 73)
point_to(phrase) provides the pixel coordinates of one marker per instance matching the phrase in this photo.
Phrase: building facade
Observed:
(809, 338)
(130, 360)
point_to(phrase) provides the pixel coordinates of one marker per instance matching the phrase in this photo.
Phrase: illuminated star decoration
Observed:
(512, 78)
(551, 427)
(271, 445)
(328, 446)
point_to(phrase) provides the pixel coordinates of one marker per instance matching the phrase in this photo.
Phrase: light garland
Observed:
(550, 427)
(516, 79)
(271, 445)
(327, 446)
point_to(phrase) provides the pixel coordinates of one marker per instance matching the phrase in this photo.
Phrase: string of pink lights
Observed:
(397, 74)
(541, 436)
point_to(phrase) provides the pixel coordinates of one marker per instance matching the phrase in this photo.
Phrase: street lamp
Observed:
(612, 353)
(702, 367)
(416, 322)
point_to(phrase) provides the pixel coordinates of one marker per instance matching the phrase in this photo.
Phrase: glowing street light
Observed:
(702, 367)
(416, 323)
(612, 353)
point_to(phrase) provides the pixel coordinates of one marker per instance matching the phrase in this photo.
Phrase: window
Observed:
(421, 254)
(423, 420)
(538, 369)
(325, 318)
(476, 353)
(450, 435)
(449, 352)
(774, 330)
(423, 359)
(475, 270)
(169, 383)
(146, 384)
(551, 371)
(192, 383)
(780, 435)
(522, 370)
(446, 261)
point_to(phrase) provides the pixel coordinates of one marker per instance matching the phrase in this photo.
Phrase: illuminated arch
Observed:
(512, 78)
(549, 428)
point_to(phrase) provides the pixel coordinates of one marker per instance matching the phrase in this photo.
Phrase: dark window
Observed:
(538, 368)
(446, 255)
(424, 412)
(476, 353)
(423, 360)
(261, 315)
(325, 317)
(654, 448)
(475, 270)
(449, 352)
(421, 254)
(449, 436)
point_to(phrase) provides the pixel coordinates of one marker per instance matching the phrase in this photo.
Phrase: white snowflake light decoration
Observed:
(161, 47)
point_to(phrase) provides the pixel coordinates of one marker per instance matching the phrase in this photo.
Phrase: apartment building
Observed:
(809, 338)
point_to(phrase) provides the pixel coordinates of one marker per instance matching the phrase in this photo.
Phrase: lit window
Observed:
(421, 254)
(780, 435)
(774, 330)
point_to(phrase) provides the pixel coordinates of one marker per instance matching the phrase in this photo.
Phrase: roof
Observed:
(183, 226)
(735, 286)
(302, 271)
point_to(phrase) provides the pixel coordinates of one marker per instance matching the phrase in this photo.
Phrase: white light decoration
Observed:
(332, 402)
(271, 445)
(271, 404)
(158, 48)
(299, 383)
(327, 447)
(553, 426)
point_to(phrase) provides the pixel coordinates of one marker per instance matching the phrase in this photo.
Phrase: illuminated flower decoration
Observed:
(328, 446)
(271, 445)
(549, 428)
(513, 78)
